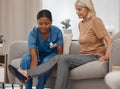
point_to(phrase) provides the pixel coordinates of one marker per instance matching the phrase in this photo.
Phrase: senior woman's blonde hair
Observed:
(87, 4)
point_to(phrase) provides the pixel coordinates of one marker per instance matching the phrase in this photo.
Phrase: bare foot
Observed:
(24, 72)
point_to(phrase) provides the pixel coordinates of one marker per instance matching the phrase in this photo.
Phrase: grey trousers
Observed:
(44, 67)
(65, 62)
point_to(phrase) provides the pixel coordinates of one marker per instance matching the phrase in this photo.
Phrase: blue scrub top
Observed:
(35, 39)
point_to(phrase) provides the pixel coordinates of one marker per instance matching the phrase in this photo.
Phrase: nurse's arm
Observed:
(34, 61)
(59, 50)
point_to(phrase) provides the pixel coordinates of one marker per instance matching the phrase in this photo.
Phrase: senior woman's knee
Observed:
(63, 58)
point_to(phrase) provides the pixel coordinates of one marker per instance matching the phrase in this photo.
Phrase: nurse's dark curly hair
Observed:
(44, 13)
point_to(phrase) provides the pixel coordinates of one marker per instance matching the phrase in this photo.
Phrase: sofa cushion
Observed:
(67, 42)
(16, 62)
(90, 70)
(116, 36)
(75, 47)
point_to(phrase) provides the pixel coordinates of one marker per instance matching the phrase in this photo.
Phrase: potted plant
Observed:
(1, 39)
(66, 25)
(1, 43)
(67, 35)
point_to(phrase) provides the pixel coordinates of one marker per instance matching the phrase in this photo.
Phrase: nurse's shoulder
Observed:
(55, 28)
(33, 31)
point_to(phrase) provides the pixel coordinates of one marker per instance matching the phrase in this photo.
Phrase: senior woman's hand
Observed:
(103, 58)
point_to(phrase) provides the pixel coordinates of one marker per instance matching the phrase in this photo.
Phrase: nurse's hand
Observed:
(34, 60)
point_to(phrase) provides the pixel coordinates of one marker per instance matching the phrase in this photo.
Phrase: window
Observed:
(107, 10)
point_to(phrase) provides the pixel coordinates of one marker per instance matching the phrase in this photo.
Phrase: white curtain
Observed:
(17, 17)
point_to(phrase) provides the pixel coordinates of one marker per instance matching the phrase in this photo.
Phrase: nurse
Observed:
(44, 42)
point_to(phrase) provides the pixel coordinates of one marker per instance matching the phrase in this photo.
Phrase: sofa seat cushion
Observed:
(90, 70)
(16, 62)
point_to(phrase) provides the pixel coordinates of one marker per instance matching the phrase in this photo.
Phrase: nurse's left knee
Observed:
(25, 61)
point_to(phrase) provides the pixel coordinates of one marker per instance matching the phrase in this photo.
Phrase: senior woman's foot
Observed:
(23, 72)
(18, 73)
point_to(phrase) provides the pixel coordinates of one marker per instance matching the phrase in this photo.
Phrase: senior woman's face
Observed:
(82, 12)
(44, 24)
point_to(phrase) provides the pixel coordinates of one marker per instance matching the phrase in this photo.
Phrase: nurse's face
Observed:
(82, 12)
(44, 24)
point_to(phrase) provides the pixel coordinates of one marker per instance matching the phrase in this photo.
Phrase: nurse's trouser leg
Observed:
(25, 65)
(67, 62)
(43, 77)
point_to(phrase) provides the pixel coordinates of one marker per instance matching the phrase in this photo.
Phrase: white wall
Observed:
(61, 10)
(107, 10)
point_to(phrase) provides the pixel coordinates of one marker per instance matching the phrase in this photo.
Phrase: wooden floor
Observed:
(9, 86)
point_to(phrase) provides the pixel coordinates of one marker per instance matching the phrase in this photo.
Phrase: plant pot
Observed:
(1, 48)
(67, 31)
(67, 36)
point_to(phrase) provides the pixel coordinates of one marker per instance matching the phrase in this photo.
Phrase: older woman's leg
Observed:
(67, 62)
(44, 67)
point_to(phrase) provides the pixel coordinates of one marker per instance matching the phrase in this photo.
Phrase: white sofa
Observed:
(88, 76)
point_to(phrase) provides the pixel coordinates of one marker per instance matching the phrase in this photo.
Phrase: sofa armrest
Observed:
(74, 47)
(115, 54)
(15, 50)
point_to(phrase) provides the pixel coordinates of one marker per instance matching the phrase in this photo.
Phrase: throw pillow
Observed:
(67, 42)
